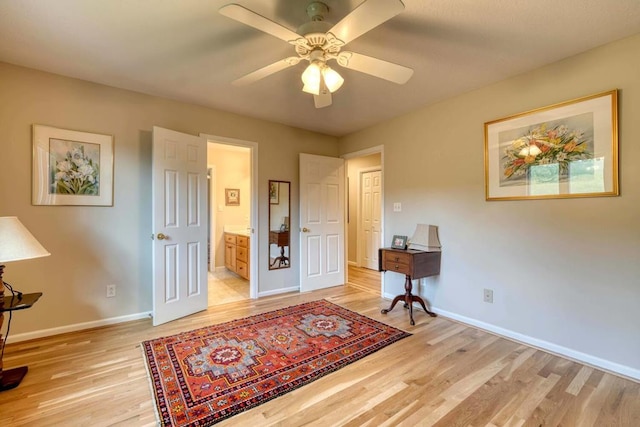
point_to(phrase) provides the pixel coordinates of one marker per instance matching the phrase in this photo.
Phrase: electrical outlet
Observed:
(488, 295)
(111, 291)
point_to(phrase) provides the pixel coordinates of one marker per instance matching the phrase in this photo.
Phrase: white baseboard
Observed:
(588, 359)
(278, 291)
(76, 327)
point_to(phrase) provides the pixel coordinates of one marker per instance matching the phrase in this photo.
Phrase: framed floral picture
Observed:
(71, 168)
(564, 150)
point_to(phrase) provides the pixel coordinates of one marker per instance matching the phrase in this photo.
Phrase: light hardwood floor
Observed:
(365, 279)
(445, 374)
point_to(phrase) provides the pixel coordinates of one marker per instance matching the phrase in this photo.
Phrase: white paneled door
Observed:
(371, 209)
(322, 226)
(179, 221)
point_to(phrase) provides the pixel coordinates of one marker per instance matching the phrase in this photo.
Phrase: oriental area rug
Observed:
(206, 375)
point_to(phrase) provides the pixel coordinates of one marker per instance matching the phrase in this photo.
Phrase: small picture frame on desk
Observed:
(399, 242)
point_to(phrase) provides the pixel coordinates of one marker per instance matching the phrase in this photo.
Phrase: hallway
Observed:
(365, 279)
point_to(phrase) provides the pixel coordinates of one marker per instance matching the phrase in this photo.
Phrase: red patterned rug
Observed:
(206, 375)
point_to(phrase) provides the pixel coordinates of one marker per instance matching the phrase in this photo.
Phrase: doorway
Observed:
(365, 218)
(369, 217)
(230, 213)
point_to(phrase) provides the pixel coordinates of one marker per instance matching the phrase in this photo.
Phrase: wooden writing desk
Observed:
(414, 265)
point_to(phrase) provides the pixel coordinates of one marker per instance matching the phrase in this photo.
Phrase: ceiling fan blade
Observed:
(266, 71)
(259, 22)
(365, 17)
(375, 67)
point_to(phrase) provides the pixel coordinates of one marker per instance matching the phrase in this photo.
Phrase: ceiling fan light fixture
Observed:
(332, 79)
(311, 79)
(318, 41)
(311, 90)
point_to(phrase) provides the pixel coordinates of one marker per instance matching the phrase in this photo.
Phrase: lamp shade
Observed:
(16, 243)
(311, 79)
(332, 79)
(425, 238)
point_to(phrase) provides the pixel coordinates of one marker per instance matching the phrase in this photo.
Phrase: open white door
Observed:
(370, 208)
(321, 222)
(179, 221)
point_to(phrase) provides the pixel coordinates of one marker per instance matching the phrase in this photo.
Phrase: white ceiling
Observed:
(185, 50)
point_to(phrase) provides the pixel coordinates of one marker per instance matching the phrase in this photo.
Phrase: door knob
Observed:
(161, 236)
(305, 230)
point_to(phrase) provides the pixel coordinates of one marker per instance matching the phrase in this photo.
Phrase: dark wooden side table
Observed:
(413, 264)
(10, 378)
(280, 239)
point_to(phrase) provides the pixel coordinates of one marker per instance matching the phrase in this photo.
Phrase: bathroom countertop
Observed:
(239, 230)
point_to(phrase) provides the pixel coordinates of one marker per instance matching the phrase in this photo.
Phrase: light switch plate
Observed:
(397, 207)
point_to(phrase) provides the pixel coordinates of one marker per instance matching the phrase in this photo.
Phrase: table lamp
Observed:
(425, 238)
(16, 244)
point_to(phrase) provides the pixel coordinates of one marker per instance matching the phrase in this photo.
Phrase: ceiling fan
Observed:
(319, 41)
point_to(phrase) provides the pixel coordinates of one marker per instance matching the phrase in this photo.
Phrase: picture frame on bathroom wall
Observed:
(232, 197)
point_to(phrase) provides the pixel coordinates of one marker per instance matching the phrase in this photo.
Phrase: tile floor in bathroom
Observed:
(225, 287)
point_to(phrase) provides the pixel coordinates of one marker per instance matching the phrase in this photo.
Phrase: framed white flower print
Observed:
(564, 150)
(71, 168)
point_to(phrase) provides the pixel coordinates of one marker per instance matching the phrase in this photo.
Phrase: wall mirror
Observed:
(279, 214)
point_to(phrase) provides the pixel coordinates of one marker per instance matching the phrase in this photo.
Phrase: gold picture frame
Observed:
(564, 150)
(232, 197)
(71, 168)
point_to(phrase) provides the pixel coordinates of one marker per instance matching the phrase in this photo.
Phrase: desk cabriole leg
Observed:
(424, 307)
(393, 304)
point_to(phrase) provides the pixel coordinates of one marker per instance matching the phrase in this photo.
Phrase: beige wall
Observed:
(354, 166)
(565, 272)
(92, 247)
